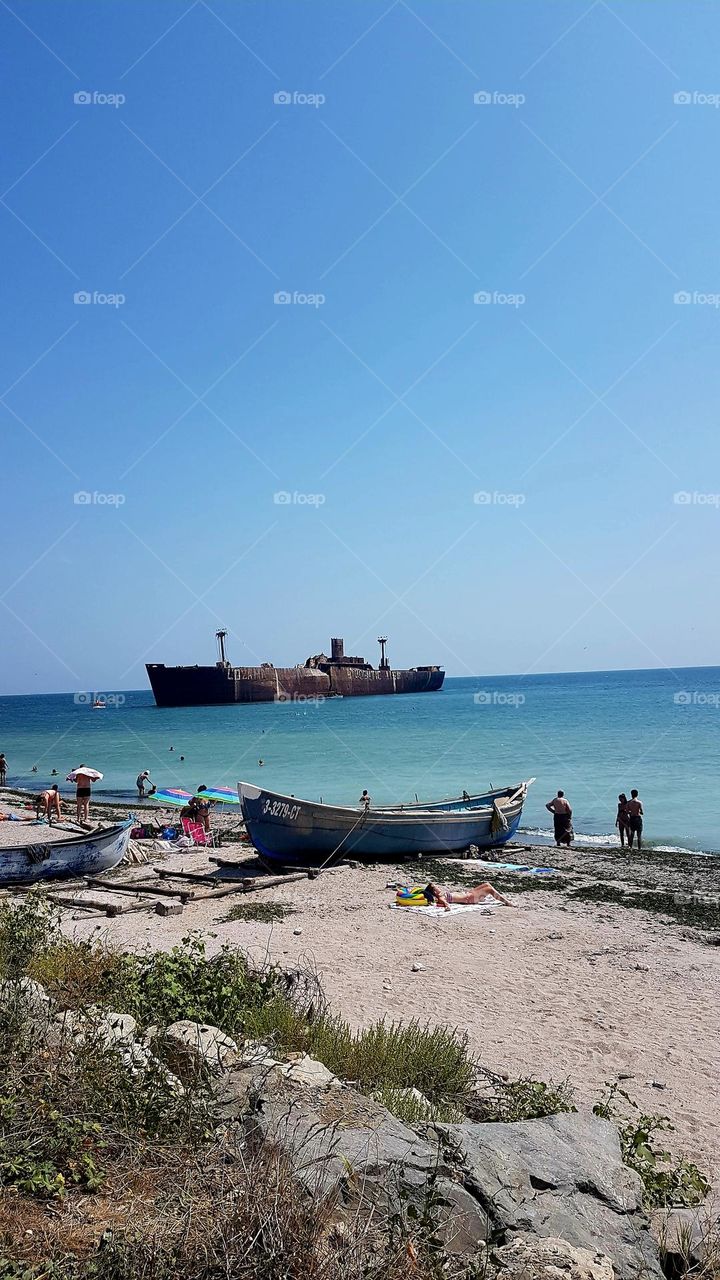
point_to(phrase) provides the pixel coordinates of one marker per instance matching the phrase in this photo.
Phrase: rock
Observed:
(417, 968)
(550, 1259)
(169, 908)
(193, 1048)
(117, 1028)
(336, 1140)
(307, 1071)
(25, 995)
(297, 932)
(561, 1177)
(255, 1054)
(686, 1237)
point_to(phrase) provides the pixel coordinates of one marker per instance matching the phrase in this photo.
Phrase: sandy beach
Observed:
(559, 988)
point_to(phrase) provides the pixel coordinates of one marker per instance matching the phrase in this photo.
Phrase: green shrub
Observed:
(523, 1099)
(28, 928)
(667, 1183)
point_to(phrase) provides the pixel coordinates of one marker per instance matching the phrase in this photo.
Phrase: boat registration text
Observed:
(280, 809)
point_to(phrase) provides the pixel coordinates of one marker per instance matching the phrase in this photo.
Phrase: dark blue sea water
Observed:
(592, 734)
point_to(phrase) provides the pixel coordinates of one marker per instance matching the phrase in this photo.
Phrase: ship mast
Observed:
(384, 663)
(220, 637)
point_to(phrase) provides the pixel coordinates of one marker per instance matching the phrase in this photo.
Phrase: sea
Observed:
(593, 734)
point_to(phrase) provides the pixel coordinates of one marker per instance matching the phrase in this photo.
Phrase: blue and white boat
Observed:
(287, 831)
(37, 860)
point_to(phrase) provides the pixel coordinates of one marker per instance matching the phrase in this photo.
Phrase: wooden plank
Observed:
(90, 904)
(210, 877)
(125, 886)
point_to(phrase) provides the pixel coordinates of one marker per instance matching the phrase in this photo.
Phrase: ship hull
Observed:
(220, 685)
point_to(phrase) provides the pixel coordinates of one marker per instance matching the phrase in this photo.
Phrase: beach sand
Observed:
(557, 989)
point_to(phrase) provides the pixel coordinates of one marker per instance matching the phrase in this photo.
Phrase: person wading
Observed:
(634, 812)
(562, 818)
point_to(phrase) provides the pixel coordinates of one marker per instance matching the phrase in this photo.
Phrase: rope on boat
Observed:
(335, 851)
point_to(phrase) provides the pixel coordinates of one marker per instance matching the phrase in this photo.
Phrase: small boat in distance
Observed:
(98, 705)
(82, 855)
(286, 831)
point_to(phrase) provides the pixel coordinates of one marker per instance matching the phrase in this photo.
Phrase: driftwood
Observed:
(90, 904)
(127, 886)
(197, 877)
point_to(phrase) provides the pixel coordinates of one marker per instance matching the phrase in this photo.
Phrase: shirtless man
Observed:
(49, 803)
(3, 768)
(478, 893)
(634, 811)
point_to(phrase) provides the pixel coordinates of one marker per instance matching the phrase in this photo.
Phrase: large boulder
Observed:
(339, 1142)
(560, 1177)
(550, 1259)
(193, 1049)
(25, 996)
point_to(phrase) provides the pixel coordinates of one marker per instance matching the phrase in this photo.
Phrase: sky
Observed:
(358, 318)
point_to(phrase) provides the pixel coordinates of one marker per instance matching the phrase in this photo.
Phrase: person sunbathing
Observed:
(478, 893)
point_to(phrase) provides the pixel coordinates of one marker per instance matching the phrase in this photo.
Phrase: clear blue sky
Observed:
(397, 198)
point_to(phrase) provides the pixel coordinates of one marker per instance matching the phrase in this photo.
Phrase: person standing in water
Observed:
(634, 812)
(365, 801)
(562, 818)
(3, 768)
(621, 821)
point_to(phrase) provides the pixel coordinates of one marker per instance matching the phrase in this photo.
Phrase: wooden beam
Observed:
(90, 904)
(125, 886)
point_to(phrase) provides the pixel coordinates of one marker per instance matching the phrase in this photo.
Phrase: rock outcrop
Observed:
(550, 1259)
(560, 1177)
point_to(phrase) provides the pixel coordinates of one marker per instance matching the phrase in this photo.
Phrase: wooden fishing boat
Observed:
(82, 855)
(287, 831)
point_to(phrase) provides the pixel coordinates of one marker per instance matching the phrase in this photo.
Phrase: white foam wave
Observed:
(614, 841)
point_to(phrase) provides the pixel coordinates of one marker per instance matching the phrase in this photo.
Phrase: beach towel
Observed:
(505, 866)
(455, 909)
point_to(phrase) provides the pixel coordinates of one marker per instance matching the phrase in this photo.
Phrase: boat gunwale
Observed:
(85, 838)
(392, 814)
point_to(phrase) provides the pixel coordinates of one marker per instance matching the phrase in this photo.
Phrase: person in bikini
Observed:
(48, 803)
(478, 893)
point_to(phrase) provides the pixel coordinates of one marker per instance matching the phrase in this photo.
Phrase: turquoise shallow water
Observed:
(592, 734)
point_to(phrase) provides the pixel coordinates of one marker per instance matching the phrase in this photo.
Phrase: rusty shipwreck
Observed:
(319, 677)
